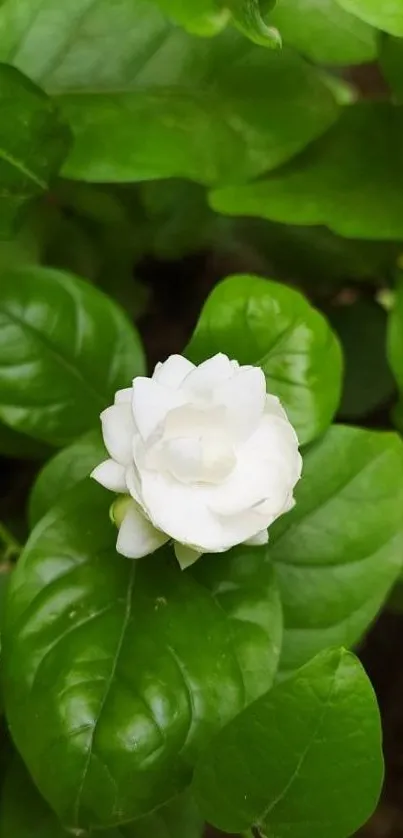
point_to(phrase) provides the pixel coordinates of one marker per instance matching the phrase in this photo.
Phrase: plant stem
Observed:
(13, 547)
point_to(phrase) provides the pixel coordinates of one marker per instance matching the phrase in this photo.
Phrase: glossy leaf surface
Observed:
(260, 322)
(325, 184)
(384, 14)
(121, 671)
(63, 471)
(339, 551)
(324, 32)
(147, 100)
(35, 819)
(33, 144)
(227, 115)
(65, 349)
(314, 765)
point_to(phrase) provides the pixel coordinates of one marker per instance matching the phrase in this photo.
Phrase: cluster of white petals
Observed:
(203, 456)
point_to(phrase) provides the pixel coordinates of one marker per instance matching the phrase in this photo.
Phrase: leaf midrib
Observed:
(303, 756)
(126, 619)
(20, 166)
(55, 353)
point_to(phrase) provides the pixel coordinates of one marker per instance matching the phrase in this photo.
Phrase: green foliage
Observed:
(325, 32)
(338, 553)
(211, 129)
(384, 14)
(35, 819)
(149, 148)
(333, 746)
(99, 650)
(33, 144)
(62, 344)
(136, 114)
(261, 322)
(247, 15)
(395, 336)
(326, 186)
(64, 471)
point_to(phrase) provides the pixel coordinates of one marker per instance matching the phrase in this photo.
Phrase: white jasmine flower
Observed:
(203, 456)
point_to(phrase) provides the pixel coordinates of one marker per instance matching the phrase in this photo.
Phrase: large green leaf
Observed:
(146, 100)
(25, 814)
(64, 471)
(257, 321)
(33, 144)
(324, 32)
(384, 14)
(338, 553)
(304, 761)
(65, 349)
(337, 181)
(248, 112)
(395, 335)
(121, 671)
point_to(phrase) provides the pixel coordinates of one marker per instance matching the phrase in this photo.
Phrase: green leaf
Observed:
(33, 144)
(260, 322)
(200, 17)
(304, 761)
(248, 18)
(384, 14)
(337, 181)
(391, 60)
(241, 120)
(339, 551)
(121, 671)
(368, 382)
(395, 335)
(324, 32)
(35, 819)
(65, 349)
(146, 100)
(64, 471)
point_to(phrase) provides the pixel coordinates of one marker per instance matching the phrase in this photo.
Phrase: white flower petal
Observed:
(273, 407)
(269, 465)
(244, 397)
(183, 458)
(137, 536)
(251, 483)
(185, 555)
(261, 537)
(123, 396)
(173, 371)
(183, 513)
(133, 483)
(208, 375)
(118, 429)
(151, 404)
(111, 475)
